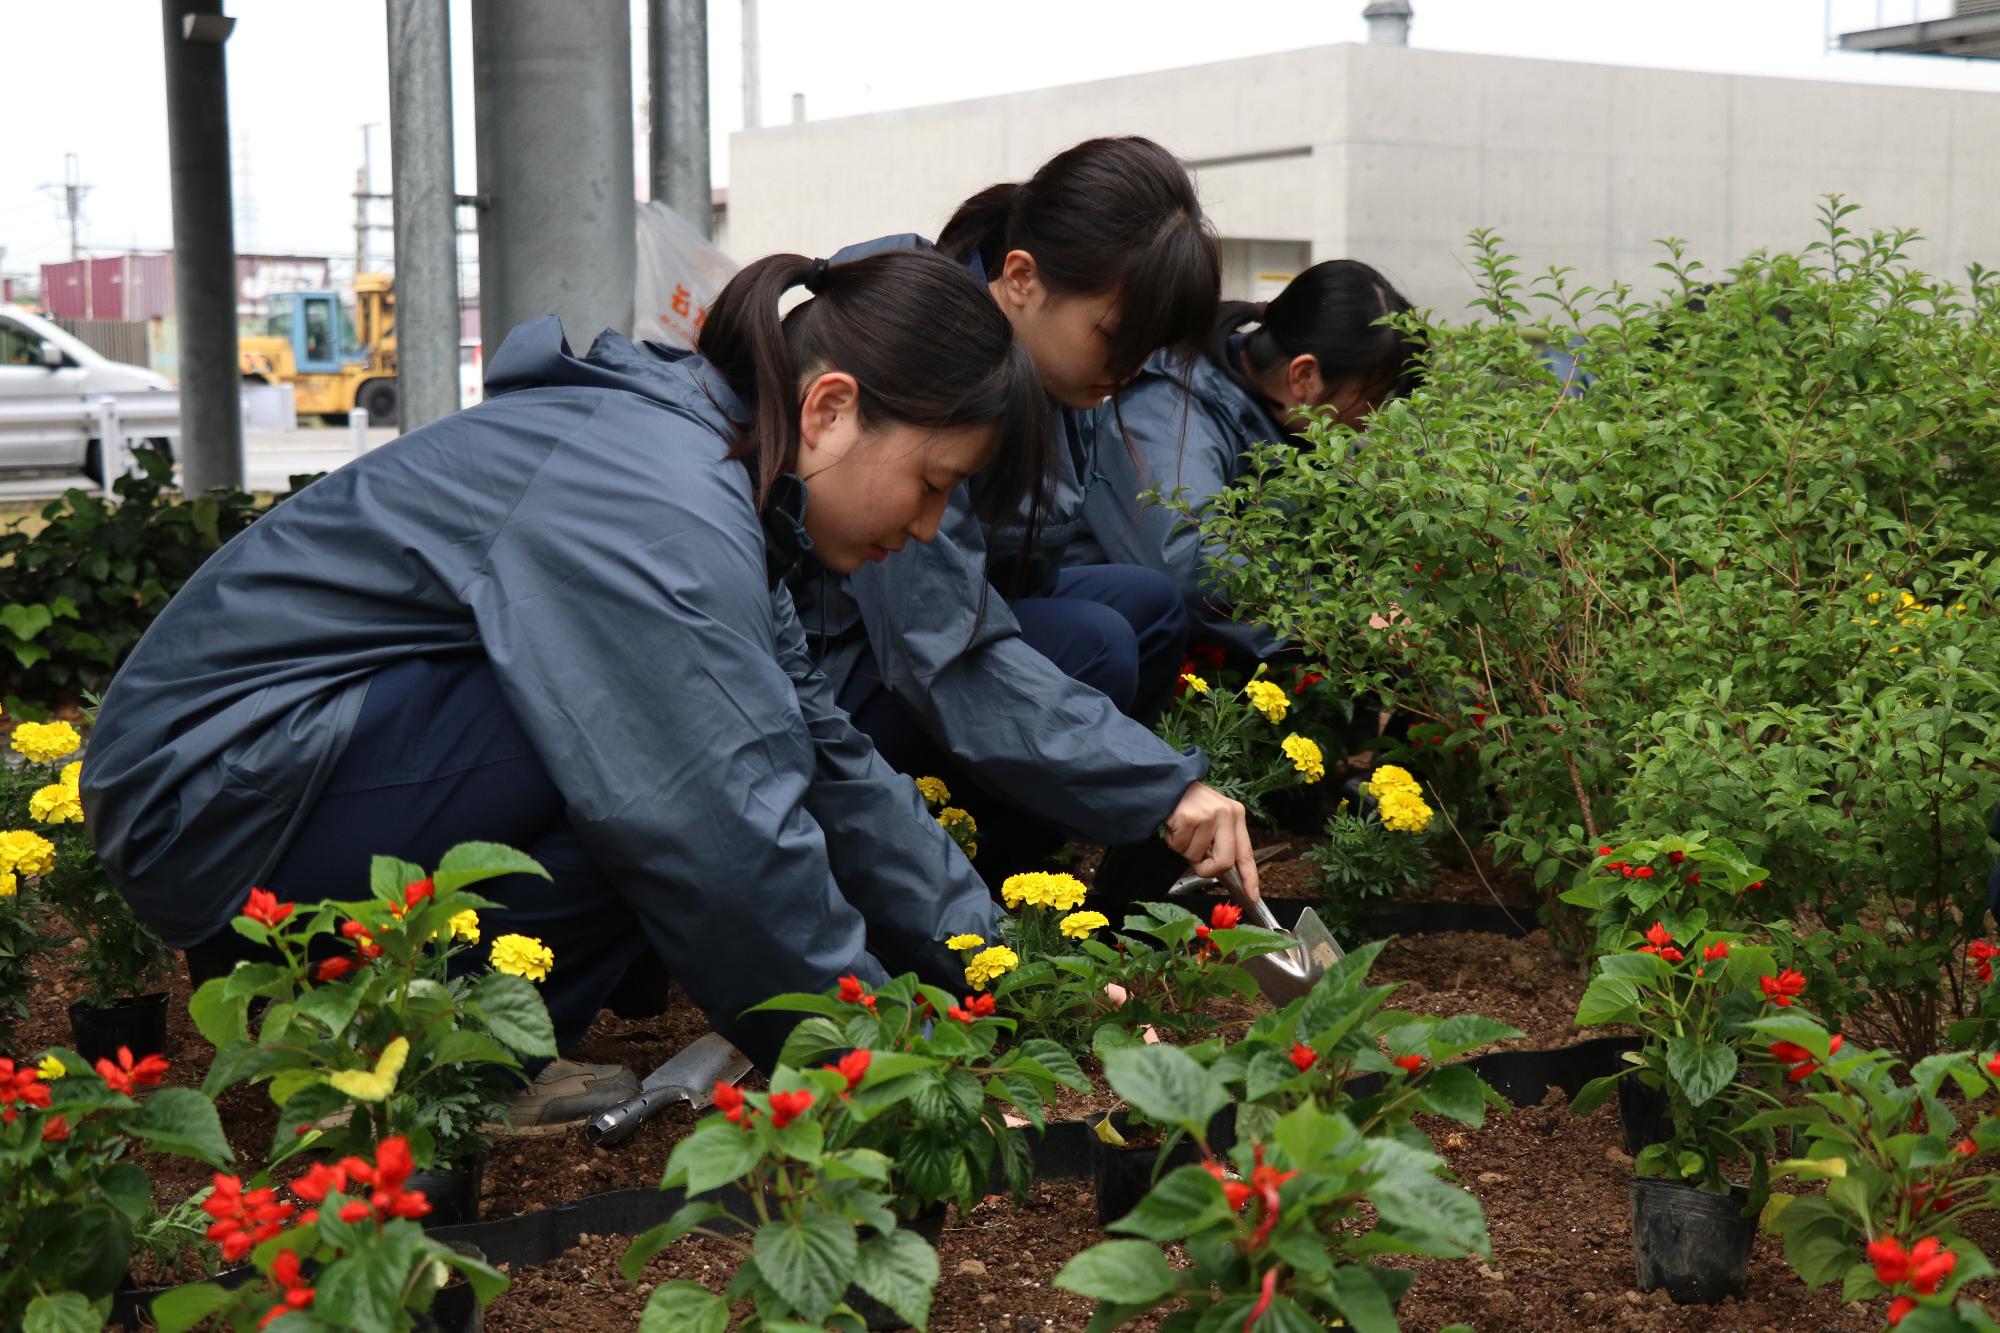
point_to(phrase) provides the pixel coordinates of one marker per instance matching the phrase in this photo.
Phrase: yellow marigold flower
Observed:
(1390, 777)
(56, 804)
(1078, 925)
(72, 773)
(8, 886)
(50, 1068)
(465, 926)
(953, 816)
(1267, 699)
(1403, 812)
(990, 965)
(522, 956)
(26, 853)
(933, 790)
(1195, 683)
(1040, 889)
(1305, 757)
(46, 742)
(958, 942)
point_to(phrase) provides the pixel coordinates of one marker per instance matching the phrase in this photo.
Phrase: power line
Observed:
(70, 194)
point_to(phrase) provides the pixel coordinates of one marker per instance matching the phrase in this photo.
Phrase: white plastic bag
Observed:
(679, 275)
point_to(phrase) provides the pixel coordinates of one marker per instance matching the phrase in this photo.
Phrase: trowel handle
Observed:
(621, 1122)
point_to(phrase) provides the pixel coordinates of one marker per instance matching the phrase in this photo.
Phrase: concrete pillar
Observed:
(678, 71)
(426, 210)
(211, 444)
(552, 87)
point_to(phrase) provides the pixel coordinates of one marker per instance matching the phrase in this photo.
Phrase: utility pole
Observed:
(552, 89)
(677, 68)
(425, 206)
(211, 448)
(753, 85)
(72, 190)
(364, 183)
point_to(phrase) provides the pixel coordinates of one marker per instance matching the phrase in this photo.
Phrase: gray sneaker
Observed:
(565, 1095)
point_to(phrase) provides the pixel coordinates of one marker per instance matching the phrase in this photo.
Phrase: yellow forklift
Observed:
(335, 357)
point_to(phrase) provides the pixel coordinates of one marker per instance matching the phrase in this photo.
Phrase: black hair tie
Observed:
(1261, 307)
(815, 280)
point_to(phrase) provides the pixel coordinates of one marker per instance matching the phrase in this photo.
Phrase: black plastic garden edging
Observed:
(1062, 1152)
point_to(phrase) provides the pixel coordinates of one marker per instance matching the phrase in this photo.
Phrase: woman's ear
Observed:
(829, 417)
(1020, 282)
(1303, 380)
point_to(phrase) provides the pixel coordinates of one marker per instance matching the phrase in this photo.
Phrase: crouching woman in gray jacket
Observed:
(559, 621)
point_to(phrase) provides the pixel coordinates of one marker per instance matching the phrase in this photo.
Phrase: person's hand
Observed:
(1211, 831)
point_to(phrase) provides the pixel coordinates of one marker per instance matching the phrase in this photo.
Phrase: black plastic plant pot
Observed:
(1643, 1114)
(456, 1307)
(453, 1192)
(1695, 1244)
(875, 1316)
(138, 1023)
(1126, 1175)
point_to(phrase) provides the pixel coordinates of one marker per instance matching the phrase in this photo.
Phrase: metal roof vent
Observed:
(1389, 22)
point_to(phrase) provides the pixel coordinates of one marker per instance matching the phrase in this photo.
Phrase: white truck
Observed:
(56, 393)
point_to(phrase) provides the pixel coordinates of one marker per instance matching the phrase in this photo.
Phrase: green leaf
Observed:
(470, 1048)
(1443, 1218)
(1129, 1272)
(127, 1187)
(515, 1014)
(218, 1016)
(1608, 1000)
(901, 1271)
(178, 1309)
(470, 862)
(684, 1307)
(1594, 1094)
(1057, 1061)
(1463, 1032)
(1363, 1303)
(1457, 1092)
(332, 1006)
(63, 1312)
(1182, 1203)
(947, 1099)
(809, 1264)
(364, 1288)
(1703, 1069)
(388, 877)
(1167, 1086)
(714, 1155)
(181, 1120)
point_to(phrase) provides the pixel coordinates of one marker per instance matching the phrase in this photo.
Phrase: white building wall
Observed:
(1391, 154)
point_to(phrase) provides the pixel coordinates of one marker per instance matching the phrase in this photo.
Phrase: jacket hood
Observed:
(536, 355)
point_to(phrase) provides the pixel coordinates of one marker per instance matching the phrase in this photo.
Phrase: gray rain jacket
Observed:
(1189, 431)
(584, 529)
(950, 648)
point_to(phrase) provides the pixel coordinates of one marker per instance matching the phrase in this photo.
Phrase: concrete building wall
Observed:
(1391, 154)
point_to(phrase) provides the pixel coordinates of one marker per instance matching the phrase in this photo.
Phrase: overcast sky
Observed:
(85, 77)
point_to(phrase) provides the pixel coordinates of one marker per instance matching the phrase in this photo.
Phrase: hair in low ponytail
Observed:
(1107, 215)
(925, 344)
(1334, 313)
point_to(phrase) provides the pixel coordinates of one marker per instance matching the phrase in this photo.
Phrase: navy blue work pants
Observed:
(437, 758)
(1120, 629)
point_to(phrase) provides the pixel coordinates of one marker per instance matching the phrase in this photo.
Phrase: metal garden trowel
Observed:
(1283, 977)
(690, 1075)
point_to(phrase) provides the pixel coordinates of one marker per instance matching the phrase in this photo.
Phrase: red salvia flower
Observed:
(853, 1067)
(1981, 955)
(1898, 1308)
(981, 1005)
(787, 1106)
(1409, 1064)
(1643, 872)
(1719, 949)
(56, 1130)
(417, 892)
(264, 907)
(243, 1221)
(1265, 1292)
(20, 1085)
(1226, 916)
(1606, 851)
(1303, 1056)
(728, 1098)
(1783, 988)
(1965, 1148)
(1930, 1264)
(1891, 1260)
(333, 969)
(1657, 939)
(1691, 878)
(853, 992)
(126, 1076)
(1754, 887)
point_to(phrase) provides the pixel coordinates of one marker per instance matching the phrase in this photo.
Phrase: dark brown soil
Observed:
(1525, 982)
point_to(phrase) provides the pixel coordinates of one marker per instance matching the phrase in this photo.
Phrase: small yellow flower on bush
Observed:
(26, 852)
(933, 790)
(8, 885)
(989, 965)
(56, 804)
(1078, 925)
(522, 956)
(1040, 889)
(46, 742)
(959, 942)
(1195, 683)
(50, 1068)
(1305, 757)
(465, 926)
(1267, 699)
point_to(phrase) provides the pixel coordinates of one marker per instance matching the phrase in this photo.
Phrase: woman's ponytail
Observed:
(979, 227)
(1336, 312)
(744, 338)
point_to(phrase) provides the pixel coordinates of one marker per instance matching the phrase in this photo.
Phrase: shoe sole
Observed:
(508, 1130)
